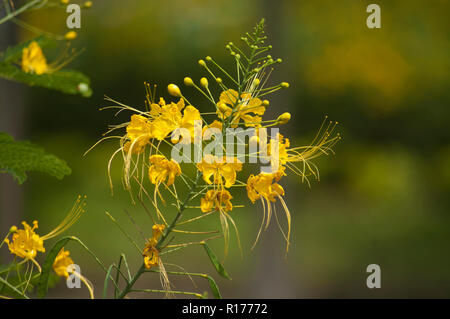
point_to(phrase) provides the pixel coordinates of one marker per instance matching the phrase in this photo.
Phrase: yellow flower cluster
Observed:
(233, 108)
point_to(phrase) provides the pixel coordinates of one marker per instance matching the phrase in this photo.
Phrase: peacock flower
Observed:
(162, 170)
(33, 60)
(25, 242)
(220, 201)
(150, 252)
(190, 116)
(221, 169)
(215, 200)
(243, 109)
(139, 133)
(265, 187)
(290, 156)
(62, 263)
(151, 256)
(165, 118)
(63, 267)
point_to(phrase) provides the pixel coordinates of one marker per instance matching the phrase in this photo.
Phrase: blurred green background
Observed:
(382, 199)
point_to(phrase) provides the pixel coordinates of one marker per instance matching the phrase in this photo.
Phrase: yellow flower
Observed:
(61, 268)
(321, 145)
(25, 242)
(190, 115)
(33, 60)
(157, 230)
(151, 253)
(151, 256)
(166, 118)
(215, 199)
(220, 169)
(263, 185)
(215, 124)
(161, 169)
(138, 133)
(243, 109)
(62, 262)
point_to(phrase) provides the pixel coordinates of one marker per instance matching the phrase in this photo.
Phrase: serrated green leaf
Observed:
(47, 267)
(66, 81)
(14, 54)
(217, 265)
(20, 157)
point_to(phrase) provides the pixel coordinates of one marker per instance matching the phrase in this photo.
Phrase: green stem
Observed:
(19, 11)
(129, 287)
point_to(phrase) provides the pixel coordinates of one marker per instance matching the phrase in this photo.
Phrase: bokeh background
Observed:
(383, 198)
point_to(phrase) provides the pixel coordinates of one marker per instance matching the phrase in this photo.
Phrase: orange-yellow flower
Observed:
(25, 242)
(33, 60)
(157, 231)
(219, 169)
(242, 109)
(216, 199)
(151, 253)
(62, 262)
(139, 133)
(265, 185)
(165, 118)
(151, 256)
(162, 170)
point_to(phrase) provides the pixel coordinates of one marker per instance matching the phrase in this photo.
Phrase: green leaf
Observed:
(42, 286)
(214, 288)
(14, 54)
(216, 262)
(66, 81)
(13, 289)
(19, 157)
(105, 285)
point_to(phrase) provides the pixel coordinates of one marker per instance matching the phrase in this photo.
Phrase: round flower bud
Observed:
(174, 90)
(13, 229)
(88, 4)
(188, 81)
(219, 80)
(204, 82)
(256, 82)
(70, 35)
(265, 102)
(284, 118)
(202, 63)
(279, 60)
(174, 139)
(208, 58)
(284, 85)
